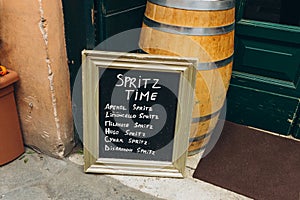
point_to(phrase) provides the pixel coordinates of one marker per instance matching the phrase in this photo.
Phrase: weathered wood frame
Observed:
(91, 61)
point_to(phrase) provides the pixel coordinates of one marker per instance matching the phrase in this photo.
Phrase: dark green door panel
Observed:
(121, 21)
(274, 60)
(79, 34)
(275, 63)
(296, 127)
(276, 11)
(79, 31)
(261, 109)
(269, 31)
(296, 134)
(116, 16)
(113, 6)
(265, 84)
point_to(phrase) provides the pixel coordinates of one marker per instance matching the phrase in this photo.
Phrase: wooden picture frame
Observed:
(156, 87)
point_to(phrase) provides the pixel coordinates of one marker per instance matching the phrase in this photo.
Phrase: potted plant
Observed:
(11, 142)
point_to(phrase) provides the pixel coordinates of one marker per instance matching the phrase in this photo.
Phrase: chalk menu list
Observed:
(137, 113)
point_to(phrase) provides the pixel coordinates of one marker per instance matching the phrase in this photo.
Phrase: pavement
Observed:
(38, 176)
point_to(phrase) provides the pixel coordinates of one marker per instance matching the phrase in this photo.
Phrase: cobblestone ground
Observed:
(36, 176)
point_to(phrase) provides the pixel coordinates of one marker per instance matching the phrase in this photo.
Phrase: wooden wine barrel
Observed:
(202, 29)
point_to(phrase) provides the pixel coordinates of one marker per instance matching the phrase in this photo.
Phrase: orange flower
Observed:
(3, 70)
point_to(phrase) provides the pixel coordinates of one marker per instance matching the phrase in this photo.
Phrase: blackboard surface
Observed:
(137, 113)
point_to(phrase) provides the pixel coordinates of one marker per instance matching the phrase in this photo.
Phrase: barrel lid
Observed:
(8, 79)
(196, 4)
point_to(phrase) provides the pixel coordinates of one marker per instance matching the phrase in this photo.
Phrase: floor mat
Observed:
(253, 163)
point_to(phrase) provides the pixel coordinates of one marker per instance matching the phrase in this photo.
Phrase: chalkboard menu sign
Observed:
(136, 112)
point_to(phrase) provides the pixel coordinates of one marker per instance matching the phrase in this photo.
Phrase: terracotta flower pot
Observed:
(11, 142)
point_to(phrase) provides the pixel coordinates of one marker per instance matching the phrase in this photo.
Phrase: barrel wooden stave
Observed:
(192, 18)
(197, 145)
(211, 85)
(187, 46)
(210, 90)
(200, 129)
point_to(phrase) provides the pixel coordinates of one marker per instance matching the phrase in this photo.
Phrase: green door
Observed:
(116, 16)
(265, 89)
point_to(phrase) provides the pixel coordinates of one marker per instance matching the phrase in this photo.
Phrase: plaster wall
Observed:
(32, 43)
